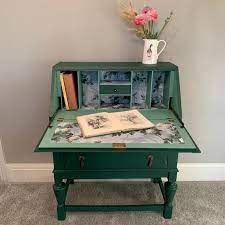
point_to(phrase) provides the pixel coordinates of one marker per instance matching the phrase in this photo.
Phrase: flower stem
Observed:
(166, 22)
(162, 29)
(152, 28)
(149, 29)
(145, 36)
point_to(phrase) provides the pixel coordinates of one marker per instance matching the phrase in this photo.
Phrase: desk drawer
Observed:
(115, 160)
(115, 89)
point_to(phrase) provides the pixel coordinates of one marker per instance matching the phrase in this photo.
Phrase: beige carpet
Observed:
(196, 203)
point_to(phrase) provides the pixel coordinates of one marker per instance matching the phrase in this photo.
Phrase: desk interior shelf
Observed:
(122, 89)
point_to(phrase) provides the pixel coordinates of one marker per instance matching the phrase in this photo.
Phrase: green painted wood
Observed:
(158, 181)
(59, 159)
(101, 160)
(115, 89)
(171, 82)
(99, 96)
(162, 188)
(79, 86)
(155, 116)
(54, 106)
(131, 88)
(112, 174)
(115, 95)
(167, 91)
(114, 66)
(172, 159)
(149, 89)
(172, 176)
(175, 103)
(113, 160)
(59, 89)
(114, 208)
(60, 194)
(116, 82)
(58, 83)
(170, 191)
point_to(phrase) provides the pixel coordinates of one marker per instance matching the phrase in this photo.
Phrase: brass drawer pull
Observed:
(119, 146)
(82, 161)
(115, 90)
(150, 160)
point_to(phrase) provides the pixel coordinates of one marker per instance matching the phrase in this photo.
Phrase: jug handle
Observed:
(162, 47)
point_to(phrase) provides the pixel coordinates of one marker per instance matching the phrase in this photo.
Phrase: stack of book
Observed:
(69, 91)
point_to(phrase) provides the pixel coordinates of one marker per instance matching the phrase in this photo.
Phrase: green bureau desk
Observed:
(152, 89)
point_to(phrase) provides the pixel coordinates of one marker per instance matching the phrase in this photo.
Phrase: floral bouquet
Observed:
(143, 24)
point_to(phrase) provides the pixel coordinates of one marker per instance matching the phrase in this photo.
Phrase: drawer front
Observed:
(115, 89)
(115, 160)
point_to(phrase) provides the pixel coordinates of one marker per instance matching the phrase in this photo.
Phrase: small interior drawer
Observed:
(115, 89)
(115, 160)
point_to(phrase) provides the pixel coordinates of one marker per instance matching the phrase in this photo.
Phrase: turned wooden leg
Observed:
(170, 191)
(60, 194)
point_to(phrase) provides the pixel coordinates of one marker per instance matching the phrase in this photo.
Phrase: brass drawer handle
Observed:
(82, 161)
(115, 90)
(150, 160)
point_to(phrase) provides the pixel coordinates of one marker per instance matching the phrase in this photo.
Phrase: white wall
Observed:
(37, 34)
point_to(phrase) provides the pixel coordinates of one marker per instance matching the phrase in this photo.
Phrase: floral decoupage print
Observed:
(162, 133)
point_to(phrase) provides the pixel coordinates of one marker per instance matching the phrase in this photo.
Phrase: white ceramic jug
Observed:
(150, 54)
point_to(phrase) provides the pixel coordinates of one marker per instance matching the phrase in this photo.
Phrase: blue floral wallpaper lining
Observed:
(116, 102)
(158, 88)
(162, 133)
(89, 80)
(139, 89)
(111, 76)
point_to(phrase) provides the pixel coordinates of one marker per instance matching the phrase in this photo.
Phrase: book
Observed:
(71, 94)
(108, 123)
(64, 91)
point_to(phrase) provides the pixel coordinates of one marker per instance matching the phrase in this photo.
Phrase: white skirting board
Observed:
(22, 173)
(3, 169)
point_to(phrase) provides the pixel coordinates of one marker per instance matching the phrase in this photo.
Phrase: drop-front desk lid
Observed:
(63, 134)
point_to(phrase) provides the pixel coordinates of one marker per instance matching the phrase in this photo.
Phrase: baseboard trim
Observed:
(3, 169)
(26, 172)
(201, 172)
(29, 172)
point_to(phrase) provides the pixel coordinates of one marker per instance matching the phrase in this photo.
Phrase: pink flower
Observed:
(140, 19)
(146, 9)
(151, 13)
